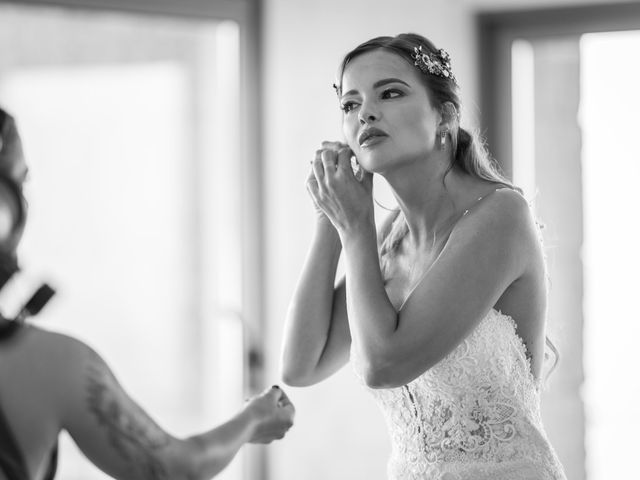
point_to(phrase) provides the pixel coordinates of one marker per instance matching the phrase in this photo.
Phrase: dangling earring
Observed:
(357, 169)
(443, 139)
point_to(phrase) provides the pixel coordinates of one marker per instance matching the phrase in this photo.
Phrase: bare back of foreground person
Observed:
(51, 382)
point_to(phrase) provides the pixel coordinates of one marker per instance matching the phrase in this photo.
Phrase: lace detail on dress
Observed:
(474, 415)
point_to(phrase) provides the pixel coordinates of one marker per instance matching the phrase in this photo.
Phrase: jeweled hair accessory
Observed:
(436, 64)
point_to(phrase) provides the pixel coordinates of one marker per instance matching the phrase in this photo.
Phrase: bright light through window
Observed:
(523, 114)
(610, 102)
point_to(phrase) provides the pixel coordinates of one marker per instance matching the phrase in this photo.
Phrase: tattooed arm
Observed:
(119, 437)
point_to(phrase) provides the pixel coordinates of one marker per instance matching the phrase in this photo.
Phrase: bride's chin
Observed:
(374, 166)
(371, 162)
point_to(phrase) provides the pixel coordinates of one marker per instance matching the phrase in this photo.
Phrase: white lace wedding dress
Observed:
(473, 416)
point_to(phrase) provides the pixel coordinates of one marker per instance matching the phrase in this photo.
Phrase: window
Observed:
(611, 258)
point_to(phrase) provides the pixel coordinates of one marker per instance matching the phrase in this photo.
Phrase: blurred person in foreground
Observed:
(442, 309)
(51, 382)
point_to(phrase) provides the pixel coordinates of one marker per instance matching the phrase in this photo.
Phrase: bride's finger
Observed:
(314, 193)
(344, 160)
(329, 159)
(334, 145)
(317, 167)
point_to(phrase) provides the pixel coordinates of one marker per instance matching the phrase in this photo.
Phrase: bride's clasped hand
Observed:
(338, 192)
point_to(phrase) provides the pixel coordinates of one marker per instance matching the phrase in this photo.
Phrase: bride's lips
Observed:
(371, 136)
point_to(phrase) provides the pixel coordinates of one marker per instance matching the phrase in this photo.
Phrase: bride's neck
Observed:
(430, 201)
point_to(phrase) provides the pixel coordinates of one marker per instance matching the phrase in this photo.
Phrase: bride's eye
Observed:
(391, 93)
(346, 107)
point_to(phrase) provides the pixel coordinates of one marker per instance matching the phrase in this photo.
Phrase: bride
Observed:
(442, 309)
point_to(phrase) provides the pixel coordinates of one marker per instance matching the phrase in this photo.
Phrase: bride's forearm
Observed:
(372, 317)
(309, 315)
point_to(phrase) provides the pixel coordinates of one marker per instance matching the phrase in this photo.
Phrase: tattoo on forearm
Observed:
(131, 432)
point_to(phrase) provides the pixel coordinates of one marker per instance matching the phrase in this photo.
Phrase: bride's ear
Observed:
(449, 116)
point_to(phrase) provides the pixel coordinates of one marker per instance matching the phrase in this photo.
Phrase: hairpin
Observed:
(436, 64)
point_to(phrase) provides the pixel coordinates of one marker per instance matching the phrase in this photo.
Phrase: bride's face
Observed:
(383, 96)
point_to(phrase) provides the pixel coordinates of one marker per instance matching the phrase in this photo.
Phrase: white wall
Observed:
(339, 433)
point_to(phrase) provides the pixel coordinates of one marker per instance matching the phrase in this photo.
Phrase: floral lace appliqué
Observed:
(474, 415)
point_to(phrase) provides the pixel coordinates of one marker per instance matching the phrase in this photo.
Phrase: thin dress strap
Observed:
(484, 196)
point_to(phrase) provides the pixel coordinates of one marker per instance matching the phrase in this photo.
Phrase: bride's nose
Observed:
(368, 113)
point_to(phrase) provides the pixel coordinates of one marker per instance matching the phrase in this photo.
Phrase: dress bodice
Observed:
(475, 415)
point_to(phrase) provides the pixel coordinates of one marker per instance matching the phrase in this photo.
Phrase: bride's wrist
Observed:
(325, 228)
(358, 234)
